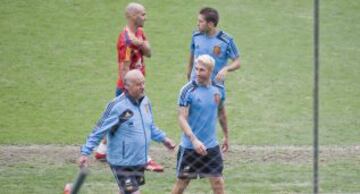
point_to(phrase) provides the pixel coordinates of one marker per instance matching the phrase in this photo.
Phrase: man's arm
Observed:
(124, 67)
(143, 44)
(160, 136)
(146, 49)
(184, 125)
(190, 66)
(108, 119)
(223, 124)
(124, 57)
(234, 65)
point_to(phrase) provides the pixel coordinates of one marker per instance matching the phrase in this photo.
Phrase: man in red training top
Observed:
(132, 46)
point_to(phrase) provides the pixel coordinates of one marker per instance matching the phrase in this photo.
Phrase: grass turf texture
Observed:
(58, 70)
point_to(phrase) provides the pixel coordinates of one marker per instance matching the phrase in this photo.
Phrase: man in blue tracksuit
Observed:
(128, 124)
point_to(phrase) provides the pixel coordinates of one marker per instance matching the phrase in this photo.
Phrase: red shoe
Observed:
(153, 166)
(100, 156)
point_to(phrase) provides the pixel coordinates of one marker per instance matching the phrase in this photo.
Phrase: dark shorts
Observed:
(129, 178)
(191, 165)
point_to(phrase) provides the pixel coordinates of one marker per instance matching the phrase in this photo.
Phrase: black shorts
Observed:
(191, 165)
(129, 178)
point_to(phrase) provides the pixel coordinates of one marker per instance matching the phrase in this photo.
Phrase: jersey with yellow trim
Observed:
(128, 52)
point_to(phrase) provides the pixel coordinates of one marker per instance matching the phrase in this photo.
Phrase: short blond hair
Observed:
(207, 61)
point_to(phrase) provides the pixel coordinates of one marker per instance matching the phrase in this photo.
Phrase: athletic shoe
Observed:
(100, 152)
(153, 166)
(100, 156)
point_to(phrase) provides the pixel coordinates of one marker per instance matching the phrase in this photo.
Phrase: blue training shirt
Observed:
(220, 46)
(203, 103)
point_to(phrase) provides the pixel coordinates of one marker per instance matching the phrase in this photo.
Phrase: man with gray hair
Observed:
(128, 125)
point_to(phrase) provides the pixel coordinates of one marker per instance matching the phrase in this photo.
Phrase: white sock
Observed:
(149, 158)
(101, 148)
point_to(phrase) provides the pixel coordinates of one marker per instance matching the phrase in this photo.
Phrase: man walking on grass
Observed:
(128, 125)
(199, 155)
(132, 46)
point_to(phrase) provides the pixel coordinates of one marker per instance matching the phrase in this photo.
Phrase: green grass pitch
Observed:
(58, 70)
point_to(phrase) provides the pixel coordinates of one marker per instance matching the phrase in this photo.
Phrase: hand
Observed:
(199, 147)
(225, 145)
(169, 144)
(83, 161)
(136, 41)
(221, 74)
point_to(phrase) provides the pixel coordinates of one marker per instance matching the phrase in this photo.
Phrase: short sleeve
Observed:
(124, 49)
(192, 45)
(185, 96)
(232, 50)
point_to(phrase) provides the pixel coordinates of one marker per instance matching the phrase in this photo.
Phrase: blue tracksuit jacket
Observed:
(129, 127)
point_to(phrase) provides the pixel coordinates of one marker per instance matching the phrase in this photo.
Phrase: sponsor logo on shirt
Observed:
(147, 108)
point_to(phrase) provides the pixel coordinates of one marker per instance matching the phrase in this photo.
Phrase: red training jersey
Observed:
(128, 52)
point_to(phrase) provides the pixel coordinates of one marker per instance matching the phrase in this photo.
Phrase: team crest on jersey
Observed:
(217, 98)
(147, 108)
(217, 50)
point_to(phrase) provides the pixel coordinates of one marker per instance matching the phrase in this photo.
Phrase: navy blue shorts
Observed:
(191, 165)
(129, 178)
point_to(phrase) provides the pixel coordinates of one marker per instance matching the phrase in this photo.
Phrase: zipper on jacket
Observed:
(123, 148)
(142, 122)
